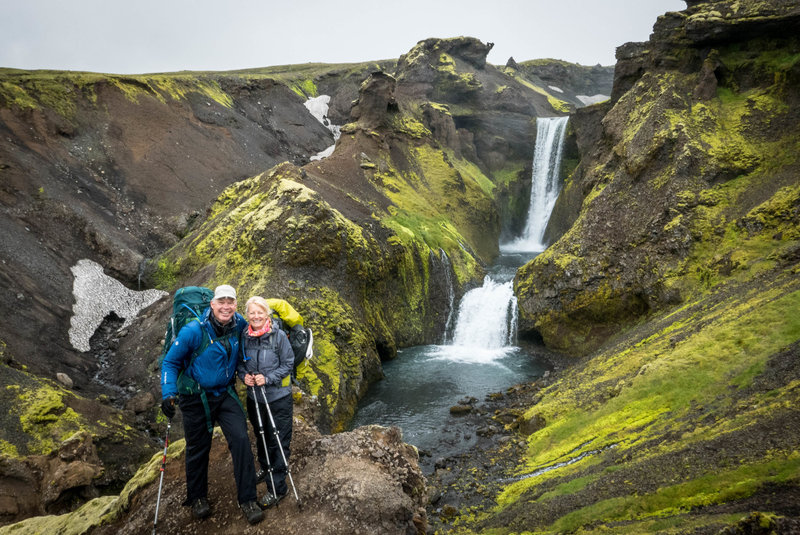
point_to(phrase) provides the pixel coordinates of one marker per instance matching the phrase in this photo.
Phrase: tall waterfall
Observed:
(544, 184)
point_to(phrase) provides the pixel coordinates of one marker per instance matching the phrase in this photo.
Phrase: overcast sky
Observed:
(144, 36)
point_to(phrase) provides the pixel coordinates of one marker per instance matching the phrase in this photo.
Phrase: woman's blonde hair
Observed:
(258, 301)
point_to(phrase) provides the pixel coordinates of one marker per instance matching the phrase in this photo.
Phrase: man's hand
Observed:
(260, 380)
(168, 407)
(249, 379)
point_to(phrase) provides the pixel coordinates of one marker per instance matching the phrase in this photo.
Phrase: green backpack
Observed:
(188, 305)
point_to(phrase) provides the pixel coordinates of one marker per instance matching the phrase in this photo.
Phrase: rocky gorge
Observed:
(670, 286)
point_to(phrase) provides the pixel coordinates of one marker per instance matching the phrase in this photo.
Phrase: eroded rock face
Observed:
(375, 101)
(368, 480)
(49, 484)
(494, 108)
(114, 170)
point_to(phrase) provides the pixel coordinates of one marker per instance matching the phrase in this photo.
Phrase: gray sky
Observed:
(144, 36)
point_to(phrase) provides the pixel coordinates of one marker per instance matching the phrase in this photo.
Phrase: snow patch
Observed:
(594, 99)
(318, 107)
(554, 88)
(96, 295)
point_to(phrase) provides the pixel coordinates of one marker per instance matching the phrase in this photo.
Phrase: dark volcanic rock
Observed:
(375, 102)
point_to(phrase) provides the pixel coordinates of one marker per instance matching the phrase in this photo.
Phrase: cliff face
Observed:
(677, 281)
(696, 145)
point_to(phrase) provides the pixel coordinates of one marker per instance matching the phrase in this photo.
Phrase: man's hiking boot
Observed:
(252, 512)
(201, 508)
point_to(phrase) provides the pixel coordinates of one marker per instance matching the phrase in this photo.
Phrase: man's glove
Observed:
(168, 407)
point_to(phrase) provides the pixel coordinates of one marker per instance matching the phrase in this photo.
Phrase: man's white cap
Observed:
(224, 290)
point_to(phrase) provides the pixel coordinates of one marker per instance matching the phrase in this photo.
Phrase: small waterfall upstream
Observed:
(423, 383)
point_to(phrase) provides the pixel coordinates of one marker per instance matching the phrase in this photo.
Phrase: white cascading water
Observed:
(486, 324)
(545, 187)
(451, 294)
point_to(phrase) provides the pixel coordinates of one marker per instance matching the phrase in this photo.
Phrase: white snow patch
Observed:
(594, 99)
(324, 154)
(318, 107)
(554, 88)
(96, 295)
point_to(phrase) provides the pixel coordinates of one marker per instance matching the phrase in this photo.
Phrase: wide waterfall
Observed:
(486, 316)
(545, 185)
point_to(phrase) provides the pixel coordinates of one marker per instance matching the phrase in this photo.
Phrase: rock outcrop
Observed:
(362, 481)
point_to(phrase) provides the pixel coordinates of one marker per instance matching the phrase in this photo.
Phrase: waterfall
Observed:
(487, 316)
(486, 323)
(544, 184)
(451, 294)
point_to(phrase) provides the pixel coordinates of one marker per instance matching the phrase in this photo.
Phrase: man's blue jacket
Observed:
(214, 368)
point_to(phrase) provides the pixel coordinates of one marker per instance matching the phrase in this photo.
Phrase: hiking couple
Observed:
(211, 353)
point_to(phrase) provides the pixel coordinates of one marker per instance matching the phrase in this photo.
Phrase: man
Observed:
(199, 372)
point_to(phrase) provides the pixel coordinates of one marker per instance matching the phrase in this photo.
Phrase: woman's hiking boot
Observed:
(270, 499)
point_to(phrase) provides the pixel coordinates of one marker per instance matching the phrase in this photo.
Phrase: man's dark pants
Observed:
(227, 412)
(282, 410)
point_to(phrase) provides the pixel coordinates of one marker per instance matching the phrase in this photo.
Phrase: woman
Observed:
(266, 369)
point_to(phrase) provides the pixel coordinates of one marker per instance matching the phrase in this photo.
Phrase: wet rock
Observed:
(141, 402)
(64, 379)
(528, 426)
(448, 512)
(460, 410)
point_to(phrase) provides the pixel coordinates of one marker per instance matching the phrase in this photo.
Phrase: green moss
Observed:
(165, 276)
(304, 88)
(46, 419)
(662, 383)
(711, 489)
(409, 126)
(9, 449)
(16, 96)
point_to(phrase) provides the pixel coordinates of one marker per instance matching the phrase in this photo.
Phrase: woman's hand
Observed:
(260, 380)
(249, 379)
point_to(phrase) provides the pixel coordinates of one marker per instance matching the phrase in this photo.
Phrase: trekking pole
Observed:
(163, 468)
(280, 446)
(264, 443)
